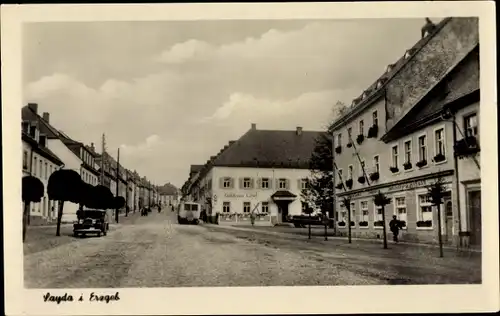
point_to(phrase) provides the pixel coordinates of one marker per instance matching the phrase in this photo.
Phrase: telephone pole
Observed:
(103, 149)
(117, 181)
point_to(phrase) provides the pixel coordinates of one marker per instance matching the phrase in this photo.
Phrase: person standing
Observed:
(395, 226)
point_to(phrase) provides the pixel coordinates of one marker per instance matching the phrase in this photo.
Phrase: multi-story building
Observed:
(169, 195)
(264, 172)
(397, 139)
(39, 161)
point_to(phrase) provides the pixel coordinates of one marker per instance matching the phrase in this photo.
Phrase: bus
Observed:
(188, 213)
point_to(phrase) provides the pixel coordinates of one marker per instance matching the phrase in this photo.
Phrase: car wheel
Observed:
(99, 234)
(75, 234)
(196, 222)
(104, 233)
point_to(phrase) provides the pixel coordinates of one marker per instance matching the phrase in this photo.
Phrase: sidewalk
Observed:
(317, 236)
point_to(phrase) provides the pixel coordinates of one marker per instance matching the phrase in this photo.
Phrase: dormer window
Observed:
(363, 96)
(407, 54)
(379, 84)
(388, 69)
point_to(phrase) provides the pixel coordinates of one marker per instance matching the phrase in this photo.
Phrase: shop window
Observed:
(226, 207)
(246, 207)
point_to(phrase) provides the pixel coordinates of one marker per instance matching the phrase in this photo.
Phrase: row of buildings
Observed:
(418, 122)
(47, 149)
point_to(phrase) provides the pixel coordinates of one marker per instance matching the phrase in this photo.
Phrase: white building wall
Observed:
(237, 196)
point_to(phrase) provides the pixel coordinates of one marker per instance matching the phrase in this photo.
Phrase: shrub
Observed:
(348, 183)
(363, 224)
(394, 169)
(421, 163)
(338, 149)
(341, 224)
(361, 179)
(372, 131)
(407, 165)
(427, 223)
(374, 176)
(439, 158)
(360, 139)
(32, 191)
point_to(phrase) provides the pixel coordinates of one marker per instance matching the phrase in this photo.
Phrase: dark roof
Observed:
(372, 92)
(195, 168)
(270, 149)
(461, 83)
(41, 150)
(27, 114)
(283, 193)
(168, 189)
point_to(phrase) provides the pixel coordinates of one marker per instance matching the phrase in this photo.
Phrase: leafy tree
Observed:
(436, 192)
(32, 191)
(382, 200)
(119, 202)
(319, 189)
(64, 185)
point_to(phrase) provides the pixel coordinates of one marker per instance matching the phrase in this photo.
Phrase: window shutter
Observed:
(240, 183)
(259, 183)
(299, 184)
(270, 181)
(231, 183)
(287, 186)
(277, 184)
(252, 183)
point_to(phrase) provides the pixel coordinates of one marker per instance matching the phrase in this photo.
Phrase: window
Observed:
(408, 151)
(349, 132)
(40, 166)
(361, 127)
(400, 209)
(339, 140)
(470, 125)
(45, 170)
(375, 118)
(25, 159)
(247, 183)
(424, 214)
(376, 164)
(350, 171)
(226, 183)
(353, 214)
(226, 207)
(342, 217)
(264, 183)
(303, 184)
(395, 161)
(364, 211)
(246, 207)
(282, 184)
(378, 214)
(265, 207)
(439, 141)
(422, 148)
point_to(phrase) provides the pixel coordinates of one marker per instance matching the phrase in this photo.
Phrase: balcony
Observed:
(466, 147)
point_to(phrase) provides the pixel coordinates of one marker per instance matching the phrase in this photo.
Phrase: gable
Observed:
(429, 66)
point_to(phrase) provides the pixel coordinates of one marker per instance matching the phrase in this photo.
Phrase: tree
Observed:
(319, 189)
(346, 202)
(436, 192)
(309, 210)
(382, 200)
(64, 185)
(119, 202)
(32, 191)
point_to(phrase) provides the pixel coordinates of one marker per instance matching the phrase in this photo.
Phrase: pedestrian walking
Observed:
(395, 225)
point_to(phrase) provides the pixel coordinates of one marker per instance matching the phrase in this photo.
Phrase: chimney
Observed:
(92, 147)
(46, 117)
(428, 28)
(43, 140)
(299, 130)
(254, 126)
(33, 107)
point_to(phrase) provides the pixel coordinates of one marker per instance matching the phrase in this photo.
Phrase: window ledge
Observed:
(425, 228)
(364, 227)
(441, 162)
(378, 227)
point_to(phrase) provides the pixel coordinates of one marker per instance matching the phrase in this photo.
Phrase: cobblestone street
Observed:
(155, 251)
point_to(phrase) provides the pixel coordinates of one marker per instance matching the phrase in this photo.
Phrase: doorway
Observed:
(474, 208)
(283, 211)
(448, 215)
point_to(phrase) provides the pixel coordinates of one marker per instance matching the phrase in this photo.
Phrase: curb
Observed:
(341, 238)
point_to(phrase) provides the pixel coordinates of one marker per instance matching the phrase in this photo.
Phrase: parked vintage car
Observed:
(91, 222)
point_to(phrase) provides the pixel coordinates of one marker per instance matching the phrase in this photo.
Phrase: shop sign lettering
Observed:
(240, 195)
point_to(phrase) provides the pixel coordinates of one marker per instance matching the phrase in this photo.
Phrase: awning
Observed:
(283, 195)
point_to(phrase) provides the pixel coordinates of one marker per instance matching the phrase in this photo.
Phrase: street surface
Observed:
(155, 251)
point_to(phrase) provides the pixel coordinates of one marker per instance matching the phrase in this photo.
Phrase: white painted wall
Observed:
(255, 195)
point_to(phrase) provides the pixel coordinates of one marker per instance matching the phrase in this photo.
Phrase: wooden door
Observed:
(474, 207)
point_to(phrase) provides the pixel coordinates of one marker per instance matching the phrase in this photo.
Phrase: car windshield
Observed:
(93, 214)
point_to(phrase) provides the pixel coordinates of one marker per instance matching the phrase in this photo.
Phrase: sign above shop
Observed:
(240, 195)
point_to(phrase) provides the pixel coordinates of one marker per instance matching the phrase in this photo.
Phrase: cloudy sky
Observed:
(172, 94)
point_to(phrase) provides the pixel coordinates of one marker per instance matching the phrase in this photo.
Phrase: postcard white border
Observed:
(271, 300)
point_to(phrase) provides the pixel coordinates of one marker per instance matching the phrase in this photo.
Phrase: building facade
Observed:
(251, 175)
(397, 139)
(39, 161)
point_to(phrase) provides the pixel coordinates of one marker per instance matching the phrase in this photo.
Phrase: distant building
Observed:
(169, 195)
(262, 172)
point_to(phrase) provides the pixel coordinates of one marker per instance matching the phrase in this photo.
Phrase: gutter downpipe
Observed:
(457, 188)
